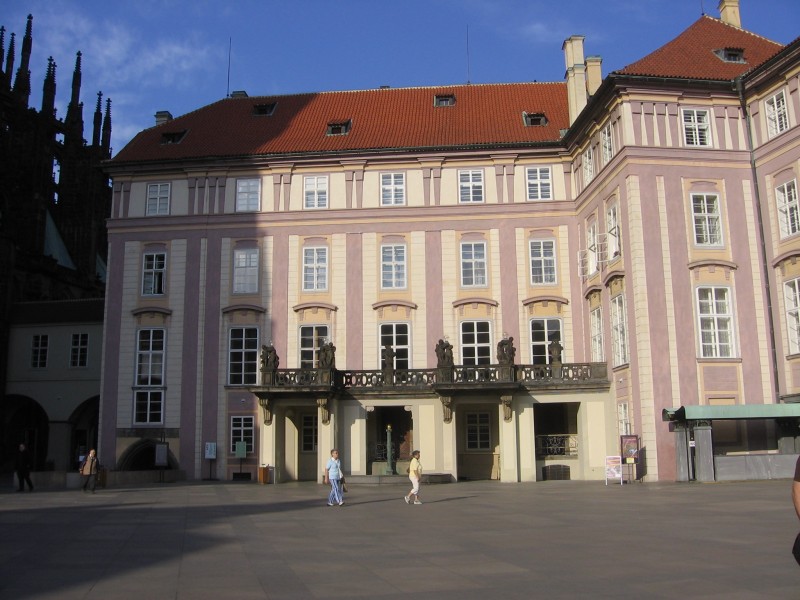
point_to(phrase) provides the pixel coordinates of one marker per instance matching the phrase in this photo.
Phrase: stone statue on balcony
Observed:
(327, 356)
(555, 348)
(506, 351)
(269, 358)
(444, 354)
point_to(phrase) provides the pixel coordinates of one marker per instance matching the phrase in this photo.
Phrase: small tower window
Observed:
(339, 127)
(264, 110)
(534, 119)
(444, 100)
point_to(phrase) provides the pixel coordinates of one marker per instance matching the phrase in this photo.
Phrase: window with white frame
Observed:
(393, 266)
(539, 182)
(619, 331)
(696, 127)
(596, 333)
(613, 239)
(476, 345)
(154, 271)
(588, 166)
(791, 294)
(393, 189)
(788, 208)
(243, 430)
(473, 264)
(543, 262)
(79, 350)
(315, 269)
(311, 339)
(707, 220)
(309, 435)
(716, 322)
(543, 333)
(592, 258)
(157, 199)
(607, 144)
(316, 191)
(623, 419)
(470, 186)
(248, 195)
(149, 385)
(243, 356)
(777, 116)
(479, 432)
(397, 336)
(245, 270)
(39, 345)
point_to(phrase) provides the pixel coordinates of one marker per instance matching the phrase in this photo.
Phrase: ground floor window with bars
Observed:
(479, 433)
(243, 430)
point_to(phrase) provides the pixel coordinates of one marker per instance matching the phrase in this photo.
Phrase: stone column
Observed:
(509, 467)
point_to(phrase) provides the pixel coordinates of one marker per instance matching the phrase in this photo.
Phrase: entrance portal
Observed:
(402, 439)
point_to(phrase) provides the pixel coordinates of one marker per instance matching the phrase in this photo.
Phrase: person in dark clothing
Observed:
(24, 468)
(89, 470)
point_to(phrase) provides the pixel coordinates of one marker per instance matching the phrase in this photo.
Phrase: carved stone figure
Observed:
(506, 351)
(327, 356)
(269, 358)
(555, 349)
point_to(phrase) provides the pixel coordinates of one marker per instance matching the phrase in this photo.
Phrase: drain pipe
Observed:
(761, 237)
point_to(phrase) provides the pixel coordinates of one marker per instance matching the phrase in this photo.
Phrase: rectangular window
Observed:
(393, 266)
(470, 186)
(309, 433)
(393, 189)
(696, 127)
(243, 356)
(245, 271)
(613, 240)
(623, 420)
(473, 264)
(607, 144)
(592, 258)
(316, 192)
(596, 332)
(777, 116)
(539, 183)
(588, 166)
(716, 322)
(791, 293)
(157, 199)
(79, 351)
(479, 431)
(248, 195)
(397, 336)
(243, 430)
(39, 351)
(476, 346)
(619, 331)
(311, 339)
(706, 214)
(543, 332)
(154, 271)
(315, 269)
(149, 384)
(788, 208)
(543, 262)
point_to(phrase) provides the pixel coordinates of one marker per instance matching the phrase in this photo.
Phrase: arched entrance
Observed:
(84, 420)
(141, 456)
(24, 421)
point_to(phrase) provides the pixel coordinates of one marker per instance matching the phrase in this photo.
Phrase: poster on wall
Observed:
(629, 445)
(211, 451)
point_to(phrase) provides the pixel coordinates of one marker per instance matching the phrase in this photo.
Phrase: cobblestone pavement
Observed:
(482, 540)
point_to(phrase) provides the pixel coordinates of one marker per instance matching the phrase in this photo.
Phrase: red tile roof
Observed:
(691, 54)
(382, 119)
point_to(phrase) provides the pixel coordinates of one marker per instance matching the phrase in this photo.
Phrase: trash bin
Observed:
(264, 475)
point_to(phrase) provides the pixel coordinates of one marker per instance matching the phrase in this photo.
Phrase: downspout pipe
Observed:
(761, 238)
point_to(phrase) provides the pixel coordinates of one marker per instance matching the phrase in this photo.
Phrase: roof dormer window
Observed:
(173, 137)
(339, 127)
(444, 100)
(264, 110)
(534, 119)
(732, 55)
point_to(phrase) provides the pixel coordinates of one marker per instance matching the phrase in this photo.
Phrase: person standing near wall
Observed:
(414, 474)
(333, 475)
(23, 468)
(89, 470)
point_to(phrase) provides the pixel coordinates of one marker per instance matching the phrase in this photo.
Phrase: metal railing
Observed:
(560, 444)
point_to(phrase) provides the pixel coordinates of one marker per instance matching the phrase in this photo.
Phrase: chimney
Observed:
(575, 75)
(729, 12)
(163, 116)
(594, 74)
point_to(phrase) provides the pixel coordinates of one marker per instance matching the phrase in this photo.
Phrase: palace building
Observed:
(507, 277)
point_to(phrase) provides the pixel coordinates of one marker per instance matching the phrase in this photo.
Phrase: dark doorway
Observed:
(402, 438)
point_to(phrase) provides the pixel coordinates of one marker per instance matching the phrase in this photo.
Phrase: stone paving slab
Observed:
(473, 540)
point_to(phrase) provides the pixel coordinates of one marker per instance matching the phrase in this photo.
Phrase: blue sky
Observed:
(151, 55)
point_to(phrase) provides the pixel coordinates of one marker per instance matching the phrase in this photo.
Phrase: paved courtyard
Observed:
(483, 540)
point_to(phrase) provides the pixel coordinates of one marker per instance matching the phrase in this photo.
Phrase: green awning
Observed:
(733, 411)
